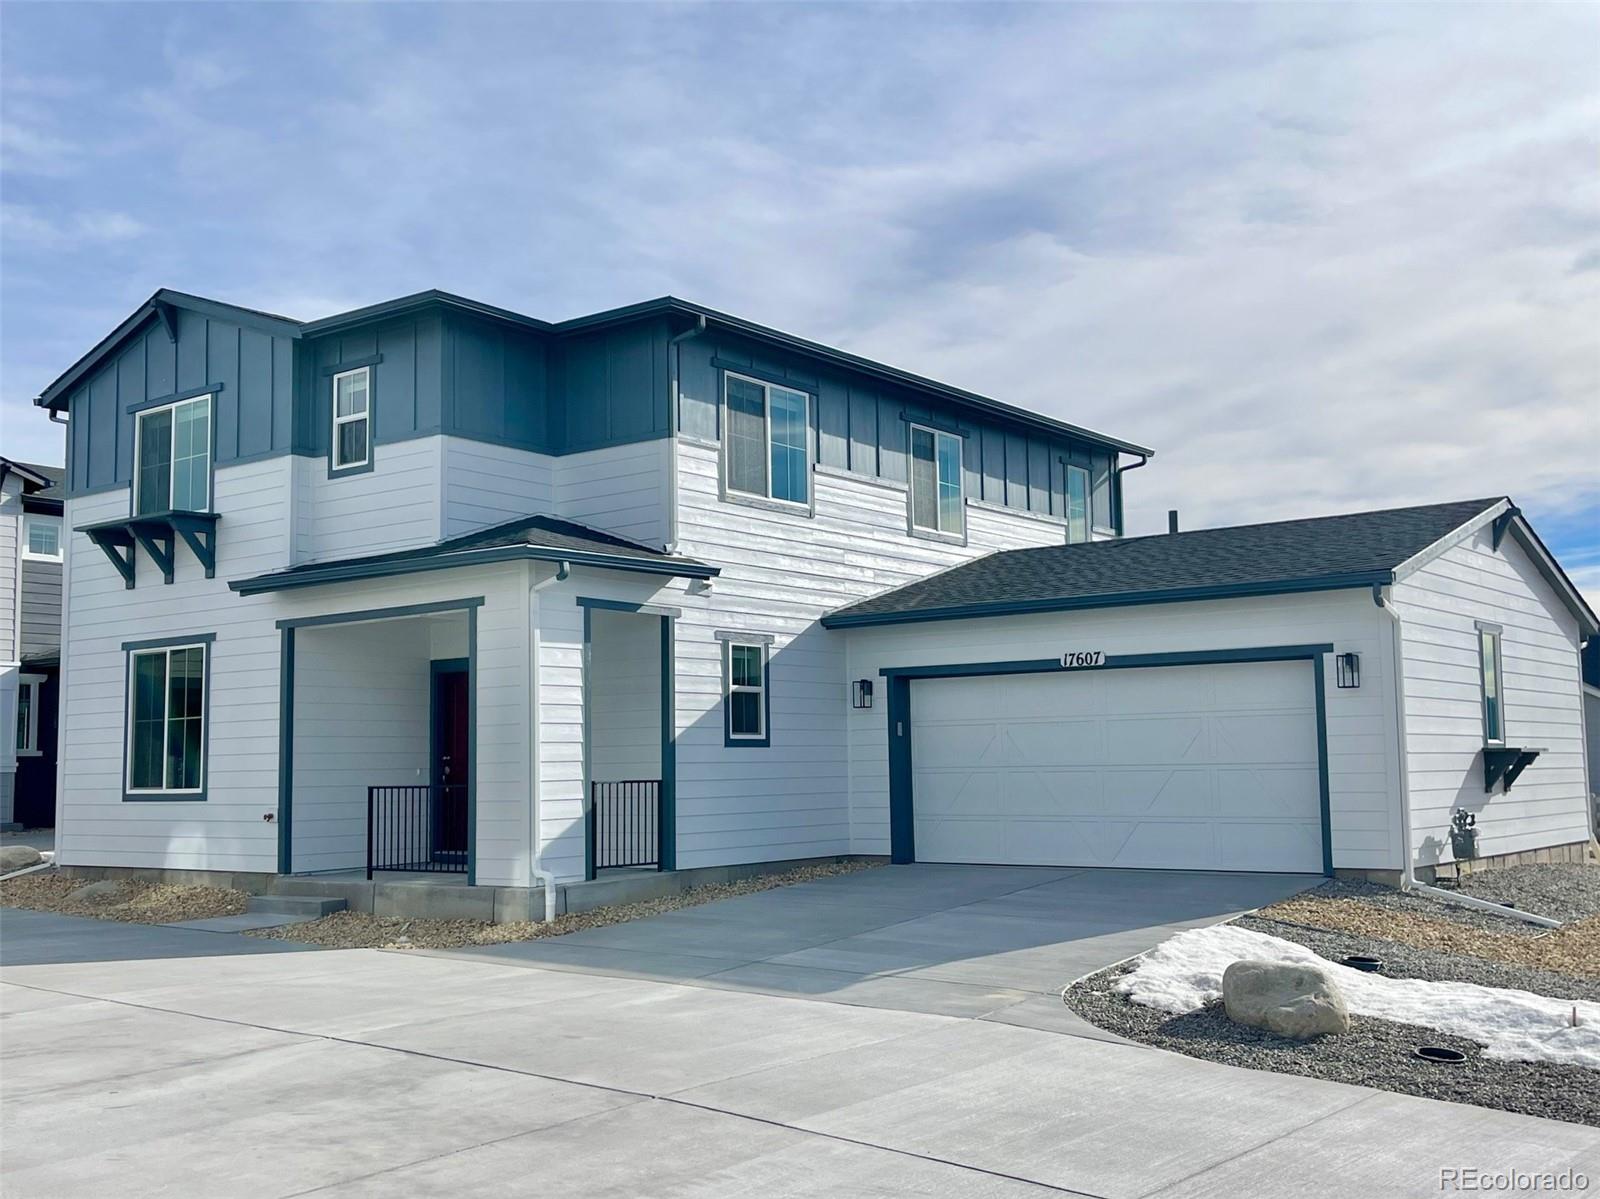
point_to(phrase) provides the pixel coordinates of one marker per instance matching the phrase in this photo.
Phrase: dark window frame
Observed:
(132, 651)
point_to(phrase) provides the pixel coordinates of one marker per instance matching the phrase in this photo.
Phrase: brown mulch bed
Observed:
(1573, 949)
(362, 930)
(131, 900)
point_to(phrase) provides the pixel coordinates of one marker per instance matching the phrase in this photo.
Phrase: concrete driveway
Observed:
(949, 940)
(164, 1069)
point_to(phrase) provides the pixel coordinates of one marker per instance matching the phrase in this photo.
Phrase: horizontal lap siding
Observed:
(1363, 787)
(394, 506)
(621, 489)
(10, 536)
(41, 606)
(488, 484)
(1440, 606)
(780, 573)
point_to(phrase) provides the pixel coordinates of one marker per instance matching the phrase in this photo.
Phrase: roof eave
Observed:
(421, 301)
(1550, 569)
(844, 620)
(336, 572)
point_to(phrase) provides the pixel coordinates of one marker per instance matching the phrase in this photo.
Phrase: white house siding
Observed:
(397, 505)
(625, 699)
(488, 484)
(1440, 605)
(780, 572)
(621, 489)
(1363, 792)
(10, 628)
(361, 716)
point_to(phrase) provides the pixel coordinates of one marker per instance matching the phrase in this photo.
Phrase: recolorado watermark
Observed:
(1473, 1179)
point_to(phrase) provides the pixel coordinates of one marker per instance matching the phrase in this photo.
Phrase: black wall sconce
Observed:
(861, 693)
(1348, 670)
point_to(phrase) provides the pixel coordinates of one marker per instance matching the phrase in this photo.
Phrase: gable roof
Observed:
(1324, 553)
(538, 538)
(46, 494)
(159, 305)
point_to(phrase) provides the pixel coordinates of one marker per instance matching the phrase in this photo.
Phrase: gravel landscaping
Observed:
(128, 899)
(1417, 937)
(362, 930)
(1374, 1053)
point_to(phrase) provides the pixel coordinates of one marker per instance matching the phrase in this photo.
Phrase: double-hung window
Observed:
(166, 720)
(173, 456)
(352, 419)
(746, 696)
(768, 436)
(1493, 680)
(28, 714)
(1077, 504)
(42, 538)
(935, 481)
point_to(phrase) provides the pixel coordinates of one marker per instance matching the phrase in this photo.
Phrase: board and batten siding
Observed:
(1440, 605)
(1363, 789)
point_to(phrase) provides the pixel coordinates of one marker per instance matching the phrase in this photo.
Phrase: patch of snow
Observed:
(1184, 973)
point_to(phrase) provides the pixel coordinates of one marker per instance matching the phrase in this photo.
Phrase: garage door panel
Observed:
(1205, 767)
(1135, 741)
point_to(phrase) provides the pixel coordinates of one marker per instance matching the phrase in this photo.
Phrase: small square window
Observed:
(43, 538)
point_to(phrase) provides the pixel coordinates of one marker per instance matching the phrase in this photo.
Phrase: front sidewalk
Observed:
(395, 1073)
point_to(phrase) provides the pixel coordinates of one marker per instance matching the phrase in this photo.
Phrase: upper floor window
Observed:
(42, 538)
(935, 480)
(173, 458)
(352, 418)
(166, 719)
(1493, 679)
(768, 436)
(1077, 504)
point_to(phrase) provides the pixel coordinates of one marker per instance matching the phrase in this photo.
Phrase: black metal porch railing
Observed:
(417, 828)
(624, 823)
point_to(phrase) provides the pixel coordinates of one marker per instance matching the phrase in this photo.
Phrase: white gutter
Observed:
(1408, 880)
(675, 375)
(546, 880)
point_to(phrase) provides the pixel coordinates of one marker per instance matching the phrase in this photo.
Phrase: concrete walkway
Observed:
(362, 1073)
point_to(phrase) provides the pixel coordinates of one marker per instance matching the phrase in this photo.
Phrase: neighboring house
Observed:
(1591, 713)
(432, 585)
(30, 640)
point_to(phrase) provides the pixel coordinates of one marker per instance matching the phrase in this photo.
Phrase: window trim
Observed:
(1088, 503)
(31, 555)
(1480, 629)
(763, 644)
(755, 499)
(34, 685)
(205, 397)
(959, 535)
(131, 651)
(337, 469)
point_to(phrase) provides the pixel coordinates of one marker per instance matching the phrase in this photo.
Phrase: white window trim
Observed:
(766, 412)
(961, 480)
(730, 689)
(166, 717)
(1482, 631)
(1088, 503)
(31, 683)
(29, 554)
(364, 415)
(172, 445)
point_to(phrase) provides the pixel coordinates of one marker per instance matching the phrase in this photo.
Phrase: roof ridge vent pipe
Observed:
(1172, 520)
(1408, 880)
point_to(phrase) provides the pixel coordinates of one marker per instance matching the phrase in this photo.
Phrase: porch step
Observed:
(306, 907)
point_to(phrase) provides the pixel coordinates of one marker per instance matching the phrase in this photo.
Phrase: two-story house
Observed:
(30, 639)
(432, 586)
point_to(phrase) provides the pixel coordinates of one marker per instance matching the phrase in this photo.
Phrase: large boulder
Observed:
(1291, 1000)
(18, 857)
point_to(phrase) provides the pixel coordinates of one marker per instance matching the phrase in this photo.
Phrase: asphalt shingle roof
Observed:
(1284, 555)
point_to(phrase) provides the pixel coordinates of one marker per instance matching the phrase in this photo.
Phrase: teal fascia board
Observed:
(844, 620)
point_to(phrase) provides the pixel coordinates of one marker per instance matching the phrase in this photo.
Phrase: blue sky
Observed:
(1323, 258)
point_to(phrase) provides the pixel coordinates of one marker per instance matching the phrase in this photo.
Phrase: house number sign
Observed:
(1077, 659)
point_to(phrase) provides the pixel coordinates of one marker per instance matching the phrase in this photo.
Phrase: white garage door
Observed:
(1188, 767)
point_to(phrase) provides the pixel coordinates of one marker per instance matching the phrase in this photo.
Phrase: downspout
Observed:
(1119, 471)
(673, 343)
(1408, 879)
(546, 880)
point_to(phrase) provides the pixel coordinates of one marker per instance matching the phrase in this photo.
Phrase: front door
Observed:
(451, 757)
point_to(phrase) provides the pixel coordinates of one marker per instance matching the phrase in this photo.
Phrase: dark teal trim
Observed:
(472, 743)
(354, 364)
(166, 642)
(938, 423)
(334, 572)
(177, 397)
(763, 375)
(844, 620)
(610, 605)
(729, 741)
(419, 302)
(286, 752)
(364, 468)
(667, 818)
(129, 648)
(902, 811)
(586, 660)
(308, 622)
